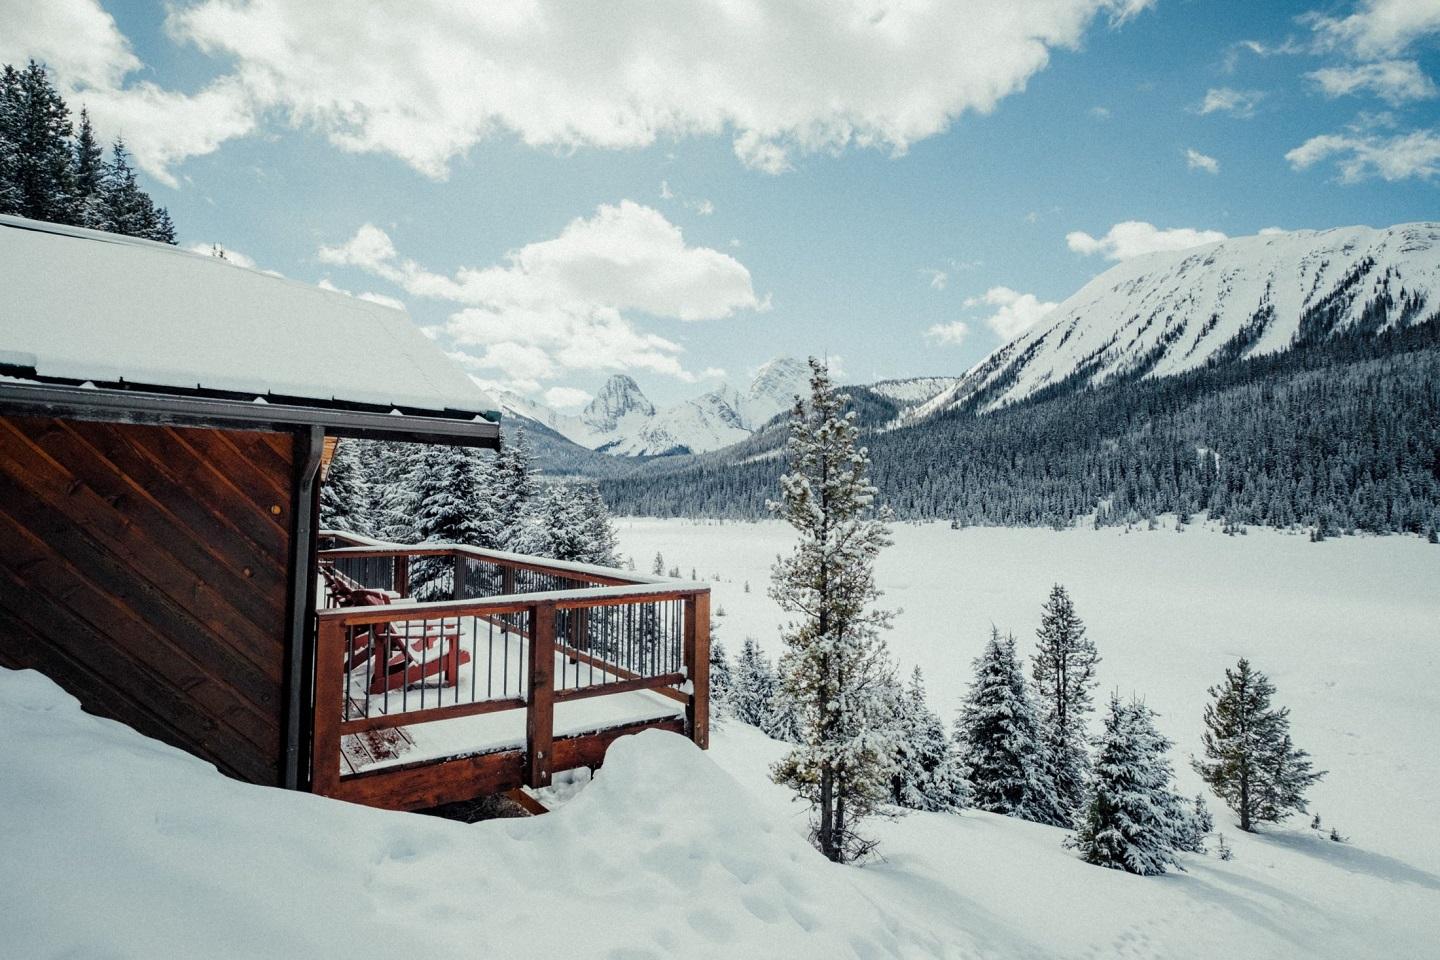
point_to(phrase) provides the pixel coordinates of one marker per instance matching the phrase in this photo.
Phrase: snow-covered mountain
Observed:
(622, 421)
(1166, 313)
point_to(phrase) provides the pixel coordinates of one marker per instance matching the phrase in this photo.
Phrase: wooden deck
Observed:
(532, 667)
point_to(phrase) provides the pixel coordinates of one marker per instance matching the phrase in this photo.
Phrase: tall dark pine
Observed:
(90, 206)
(10, 193)
(1250, 760)
(449, 501)
(36, 123)
(515, 486)
(1064, 672)
(128, 207)
(999, 739)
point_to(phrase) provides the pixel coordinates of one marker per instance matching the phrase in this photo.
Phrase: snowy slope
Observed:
(622, 421)
(117, 846)
(912, 390)
(1166, 313)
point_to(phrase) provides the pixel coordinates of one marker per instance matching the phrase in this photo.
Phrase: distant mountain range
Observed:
(1166, 313)
(1278, 379)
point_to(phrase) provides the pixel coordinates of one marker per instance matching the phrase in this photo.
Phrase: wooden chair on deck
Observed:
(399, 652)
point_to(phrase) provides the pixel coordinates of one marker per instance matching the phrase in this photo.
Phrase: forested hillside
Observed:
(1340, 434)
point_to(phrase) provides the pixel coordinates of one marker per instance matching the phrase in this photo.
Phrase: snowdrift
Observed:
(118, 846)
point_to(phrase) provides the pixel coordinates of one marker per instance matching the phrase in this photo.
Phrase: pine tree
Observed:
(592, 529)
(90, 207)
(11, 196)
(449, 503)
(836, 664)
(515, 486)
(926, 775)
(1197, 826)
(1064, 671)
(722, 680)
(782, 720)
(658, 567)
(127, 207)
(37, 126)
(753, 692)
(998, 736)
(344, 495)
(1250, 760)
(1132, 819)
(394, 492)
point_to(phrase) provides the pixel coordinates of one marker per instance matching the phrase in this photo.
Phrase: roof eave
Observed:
(168, 409)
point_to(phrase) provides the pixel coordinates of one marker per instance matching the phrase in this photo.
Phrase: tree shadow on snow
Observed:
(1356, 859)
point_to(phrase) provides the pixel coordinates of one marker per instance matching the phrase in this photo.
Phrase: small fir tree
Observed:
(515, 486)
(658, 567)
(1063, 668)
(1250, 761)
(1197, 826)
(722, 680)
(835, 665)
(753, 691)
(999, 740)
(1132, 820)
(782, 721)
(90, 207)
(926, 775)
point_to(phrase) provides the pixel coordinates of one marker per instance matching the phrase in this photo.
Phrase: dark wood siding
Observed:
(144, 569)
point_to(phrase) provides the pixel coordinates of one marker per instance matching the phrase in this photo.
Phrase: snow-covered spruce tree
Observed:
(345, 495)
(999, 740)
(36, 122)
(752, 693)
(1250, 760)
(515, 485)
(927, 776)
(566, 521)
(1197, 826)
(782, 721)
(450, 507)
(835, 665)
(658, 567)
(722, 679)
(1132, 819)
(1064, 671)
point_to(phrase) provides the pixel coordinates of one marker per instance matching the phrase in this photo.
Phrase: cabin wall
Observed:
(145, 570)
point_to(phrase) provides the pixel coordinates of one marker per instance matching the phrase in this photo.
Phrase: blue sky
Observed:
(674, 199)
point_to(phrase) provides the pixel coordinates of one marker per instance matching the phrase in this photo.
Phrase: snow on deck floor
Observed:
(117, 846)
(504, 730)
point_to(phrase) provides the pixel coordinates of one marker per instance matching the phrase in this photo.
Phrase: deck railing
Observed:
(518, 636)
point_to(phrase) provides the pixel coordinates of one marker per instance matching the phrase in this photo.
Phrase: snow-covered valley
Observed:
(1348, 629)
(118, 846)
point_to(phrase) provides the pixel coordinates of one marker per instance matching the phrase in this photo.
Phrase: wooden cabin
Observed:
(163, 421)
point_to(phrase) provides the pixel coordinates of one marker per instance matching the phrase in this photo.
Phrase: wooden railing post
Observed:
(329, 704)
(540, 711)
(697, 668)
(507, 580)
(461, 565)
(402, 576)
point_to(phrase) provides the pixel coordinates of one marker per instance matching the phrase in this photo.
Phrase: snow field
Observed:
(1348, 629)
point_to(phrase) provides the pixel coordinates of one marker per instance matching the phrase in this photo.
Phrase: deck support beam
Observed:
(697, 665)
(299, 633)
(540, 714)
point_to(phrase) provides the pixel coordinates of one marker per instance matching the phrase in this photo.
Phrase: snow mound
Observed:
(119, 846)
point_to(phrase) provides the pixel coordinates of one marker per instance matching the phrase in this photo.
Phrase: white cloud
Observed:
(1100, 113)
(1237, 103)
(1361, 156)
(1272, 231)
(1378, 28)
(1018, 311)
(90, 61)
(702, 207)
(562, 304)
(1135, 238)
(424, 81)
(951, 334)
(1394, 81)
(382, 299)
(567, 398)
(665, 192)
(1196, 160)
(938, 279)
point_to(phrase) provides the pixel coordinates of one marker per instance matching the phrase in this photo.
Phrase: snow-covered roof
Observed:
(83, 305)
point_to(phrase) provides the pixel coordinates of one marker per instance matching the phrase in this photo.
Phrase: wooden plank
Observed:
(522, 799)
(620, 686)
(618, 671)
(80, 657)
(429, 784)
(697, 665)
(76, 486)
(330, 698)
(588, 750)
(48, 557)
(430, 714)
(540, 714)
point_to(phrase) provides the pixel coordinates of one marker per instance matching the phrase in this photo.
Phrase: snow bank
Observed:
(118, 846)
